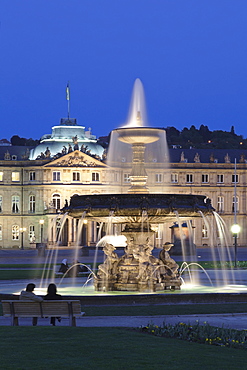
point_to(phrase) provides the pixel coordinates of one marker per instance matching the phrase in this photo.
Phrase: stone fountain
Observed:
(137, 270)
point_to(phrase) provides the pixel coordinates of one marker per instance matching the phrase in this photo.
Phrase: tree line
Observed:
(203, 138)
(192, 137)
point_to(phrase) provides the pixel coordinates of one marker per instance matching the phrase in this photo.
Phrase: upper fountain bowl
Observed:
(138, 135)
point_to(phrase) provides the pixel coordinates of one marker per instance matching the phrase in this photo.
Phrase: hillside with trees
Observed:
(203, 138)
(21, 141)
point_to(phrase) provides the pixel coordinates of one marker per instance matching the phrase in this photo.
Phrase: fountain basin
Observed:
(130, 207)
(138, 135)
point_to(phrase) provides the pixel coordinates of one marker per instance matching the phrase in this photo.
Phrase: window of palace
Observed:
(56, 201)
(76, 176)
(56, 176)
(204, 178)
(1, 203)
(204, 231)
(1, 232)
(174, 177)
(235, 178)
(1, 176)
(15, 232)
(158, 177)
(220, 179)
(31, 233)
(235, 204)
(95, 176)
(126, 177)
(15, 176)
(32, 203)
(189, 177)
(220, 204)
(15, 204)
(32, 176)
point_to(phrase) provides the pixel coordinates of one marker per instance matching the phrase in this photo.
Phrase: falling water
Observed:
(51, 255)
(137, 112)
(194, 272)
(222, 248)
(78, 239)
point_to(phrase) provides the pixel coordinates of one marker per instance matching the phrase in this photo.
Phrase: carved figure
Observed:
(227, 158)
(242, 158)
(64, 150)
(47, 152)
(197, 158)
(182, 158)
(108, 269)
(7, 156)
(169, 263)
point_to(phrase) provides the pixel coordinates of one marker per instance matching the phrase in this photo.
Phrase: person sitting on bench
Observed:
(50, 296)
(28, 295)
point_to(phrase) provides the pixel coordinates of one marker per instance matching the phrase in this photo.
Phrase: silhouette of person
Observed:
(28, 295)
(50, 296)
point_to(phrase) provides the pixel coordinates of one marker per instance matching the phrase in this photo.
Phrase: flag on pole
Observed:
(67, 92)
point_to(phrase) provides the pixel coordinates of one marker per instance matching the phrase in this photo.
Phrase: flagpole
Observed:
(68, 99)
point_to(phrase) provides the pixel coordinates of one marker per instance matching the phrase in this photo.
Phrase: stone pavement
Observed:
(234, 321)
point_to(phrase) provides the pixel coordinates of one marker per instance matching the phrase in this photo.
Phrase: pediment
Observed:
(76, 159)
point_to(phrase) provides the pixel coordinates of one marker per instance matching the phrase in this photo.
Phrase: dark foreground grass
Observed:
(153, 310)
(166, 309)
(108, 348)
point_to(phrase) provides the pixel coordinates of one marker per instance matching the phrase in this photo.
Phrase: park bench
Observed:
(79, 274)
(45, 309)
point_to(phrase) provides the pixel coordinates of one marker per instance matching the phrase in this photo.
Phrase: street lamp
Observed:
(235, 229)
(41, 222)
(22, 230)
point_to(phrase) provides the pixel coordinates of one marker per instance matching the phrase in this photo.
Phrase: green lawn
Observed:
(108, 348)
(152, 310)
(178, 309)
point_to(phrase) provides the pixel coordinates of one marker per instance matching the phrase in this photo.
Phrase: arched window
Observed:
(15, 203)
(204, 231)
(32, 203)
(220, 204)
(32, 233)
(235, 203)
(15, 232)
(56, 201)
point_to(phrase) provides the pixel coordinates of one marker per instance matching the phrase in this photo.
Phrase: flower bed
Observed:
(198, 333)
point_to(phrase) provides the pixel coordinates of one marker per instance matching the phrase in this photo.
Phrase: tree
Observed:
(21, 141)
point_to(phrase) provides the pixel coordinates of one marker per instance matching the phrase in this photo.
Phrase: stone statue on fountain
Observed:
(137, 269)
(107, 271)
(171, 267)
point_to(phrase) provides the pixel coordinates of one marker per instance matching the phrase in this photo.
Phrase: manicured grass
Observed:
(21, 274)
(24, 265)
(108, 348)
(152, 310)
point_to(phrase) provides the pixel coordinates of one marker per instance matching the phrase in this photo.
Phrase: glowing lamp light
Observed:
(235, 229)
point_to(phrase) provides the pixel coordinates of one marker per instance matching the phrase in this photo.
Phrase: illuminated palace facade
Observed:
(35, 183)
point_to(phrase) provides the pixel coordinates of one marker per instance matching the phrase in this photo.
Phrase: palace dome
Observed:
(66, 137)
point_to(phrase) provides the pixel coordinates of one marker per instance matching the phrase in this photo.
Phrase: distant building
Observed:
(35, 183)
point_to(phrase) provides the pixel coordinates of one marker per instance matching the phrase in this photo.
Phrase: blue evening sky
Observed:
(191, 56)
